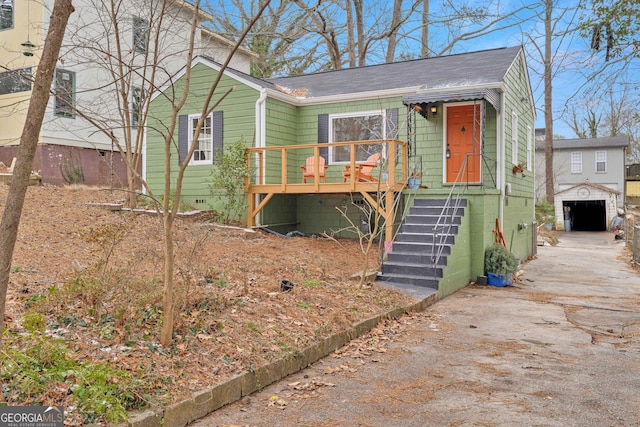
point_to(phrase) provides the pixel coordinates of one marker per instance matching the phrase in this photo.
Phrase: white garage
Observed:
(585, 207)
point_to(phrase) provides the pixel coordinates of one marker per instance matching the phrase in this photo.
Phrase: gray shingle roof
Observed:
(605, 142)
(474, 68)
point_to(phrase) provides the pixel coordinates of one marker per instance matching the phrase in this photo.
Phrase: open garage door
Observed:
(587, 215)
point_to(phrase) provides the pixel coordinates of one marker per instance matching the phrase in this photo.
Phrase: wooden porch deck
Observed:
(276, 170)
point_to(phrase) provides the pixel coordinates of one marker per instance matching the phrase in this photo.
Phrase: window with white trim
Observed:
(576, 162)
(361, 126)
(601, 161)
(203, 153)
(514, 138)
(530, 138)
(6, 14)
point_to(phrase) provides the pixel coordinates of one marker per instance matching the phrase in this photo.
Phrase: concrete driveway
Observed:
(559, 348)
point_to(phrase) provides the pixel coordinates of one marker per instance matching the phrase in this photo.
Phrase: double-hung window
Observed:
(530, 139)
(514, 138)
(6, 14)
(361, 126)
(576, 162)
(65, 93)
(601, 161)
(203, 153)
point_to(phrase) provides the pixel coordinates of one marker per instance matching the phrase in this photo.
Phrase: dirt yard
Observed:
(96, 277)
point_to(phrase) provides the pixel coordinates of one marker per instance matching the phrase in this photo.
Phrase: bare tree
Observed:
(129, 74)
(62, 10)
(127, 69)
(584, 127)
(279, 37)
(461, 22)
(169, 211)
(612, 111)
(548, 104)
(316, 35)
(560, 23)
(424, 41)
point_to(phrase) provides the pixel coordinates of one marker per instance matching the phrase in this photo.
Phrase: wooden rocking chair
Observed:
(363, 170)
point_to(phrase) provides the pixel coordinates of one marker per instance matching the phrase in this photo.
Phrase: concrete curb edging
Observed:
(204, 402)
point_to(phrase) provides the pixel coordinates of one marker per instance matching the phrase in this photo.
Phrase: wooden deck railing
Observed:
(276, 169)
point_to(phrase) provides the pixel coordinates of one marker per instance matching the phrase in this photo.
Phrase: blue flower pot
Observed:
(414, 183)
(498, 280)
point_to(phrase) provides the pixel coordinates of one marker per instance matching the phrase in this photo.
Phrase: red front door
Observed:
(463, 139)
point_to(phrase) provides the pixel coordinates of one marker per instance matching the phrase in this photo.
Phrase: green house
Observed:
(441, 148)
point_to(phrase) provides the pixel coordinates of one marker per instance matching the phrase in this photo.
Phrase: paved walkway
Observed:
(560, 348)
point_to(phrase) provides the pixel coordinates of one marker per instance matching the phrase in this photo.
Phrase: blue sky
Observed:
(526, 28)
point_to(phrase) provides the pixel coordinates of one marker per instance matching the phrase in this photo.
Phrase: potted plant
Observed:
(415, 175)
(415, 179)
(500, 265)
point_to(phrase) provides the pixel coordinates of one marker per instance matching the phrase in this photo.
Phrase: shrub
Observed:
(498, 260)
(227, 183)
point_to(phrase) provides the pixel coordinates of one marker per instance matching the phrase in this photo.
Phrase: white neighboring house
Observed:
(70, 146)
(589, 176)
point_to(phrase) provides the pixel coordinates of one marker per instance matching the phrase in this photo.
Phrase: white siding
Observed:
(90, 42)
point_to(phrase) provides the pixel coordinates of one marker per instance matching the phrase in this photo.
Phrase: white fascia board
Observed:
(296, 101)
(526, 76)
(341, 98)
(496, 85)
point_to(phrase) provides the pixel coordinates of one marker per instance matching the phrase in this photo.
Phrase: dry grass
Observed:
(96, 276)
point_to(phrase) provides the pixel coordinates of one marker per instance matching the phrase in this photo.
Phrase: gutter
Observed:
(410, 90)
(501, 176)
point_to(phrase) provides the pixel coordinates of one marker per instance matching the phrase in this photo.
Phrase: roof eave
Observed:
(359, 96)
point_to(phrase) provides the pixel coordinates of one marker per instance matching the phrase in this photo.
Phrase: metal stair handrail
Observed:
(443, 225)
(396, 203)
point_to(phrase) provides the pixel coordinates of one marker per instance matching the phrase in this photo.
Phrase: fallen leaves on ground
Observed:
(96, 276)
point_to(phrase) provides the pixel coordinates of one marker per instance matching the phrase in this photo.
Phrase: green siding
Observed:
(308, 124)
(280, 214)
(238, 108)
(519, 203)
(289, 125)
(319, 214)
(458, 271)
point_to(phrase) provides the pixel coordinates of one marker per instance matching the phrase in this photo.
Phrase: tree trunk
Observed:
(168, 302)
(351, 44)
(424, 51)
(62, 9)
(548, 107)
(362, 54)
(393, 36)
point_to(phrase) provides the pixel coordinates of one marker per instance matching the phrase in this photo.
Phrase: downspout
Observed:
(144, 159)
(500, 175)
(261, 138)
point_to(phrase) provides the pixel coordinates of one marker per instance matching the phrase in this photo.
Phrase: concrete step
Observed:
(421, 248)
(424, 282)
(425, 238)
(395, 268)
